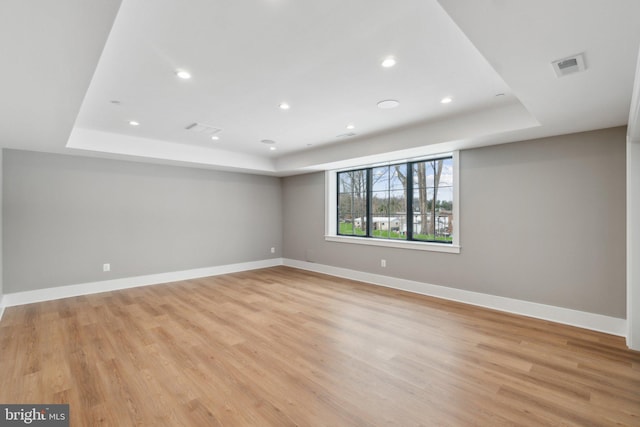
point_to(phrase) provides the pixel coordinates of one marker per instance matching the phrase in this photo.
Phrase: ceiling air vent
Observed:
(203, 129)
(570, 65)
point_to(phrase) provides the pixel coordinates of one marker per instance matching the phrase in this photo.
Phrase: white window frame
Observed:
(331, 209)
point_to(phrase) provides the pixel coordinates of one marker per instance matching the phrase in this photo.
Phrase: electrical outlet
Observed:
(106, 267)
(383, 263)
(273, 250)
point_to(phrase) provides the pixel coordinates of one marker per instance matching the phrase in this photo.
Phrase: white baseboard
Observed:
(596, 322)
(582, 319)
(39, 295)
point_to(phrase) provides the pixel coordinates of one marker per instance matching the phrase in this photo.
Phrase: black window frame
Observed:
(409, 237)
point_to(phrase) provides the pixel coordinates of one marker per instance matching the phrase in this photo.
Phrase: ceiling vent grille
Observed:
(570, 65)
(203, 129)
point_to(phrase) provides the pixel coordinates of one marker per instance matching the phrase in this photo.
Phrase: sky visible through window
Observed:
(387, 178)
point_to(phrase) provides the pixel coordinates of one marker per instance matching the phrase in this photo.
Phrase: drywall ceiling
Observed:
(48, 53)
(324, 60)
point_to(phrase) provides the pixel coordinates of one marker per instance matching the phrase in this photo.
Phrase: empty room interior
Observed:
(320, 213)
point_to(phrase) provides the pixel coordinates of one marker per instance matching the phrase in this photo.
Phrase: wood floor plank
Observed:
(286, 347)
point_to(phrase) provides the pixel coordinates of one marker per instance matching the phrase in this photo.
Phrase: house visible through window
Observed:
(410, 201)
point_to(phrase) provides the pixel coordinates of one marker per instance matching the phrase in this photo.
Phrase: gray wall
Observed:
(1, 238)
(541, 221)
(64, 216)
(633, 243)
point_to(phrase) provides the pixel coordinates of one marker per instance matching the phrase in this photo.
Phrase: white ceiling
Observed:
(64, 63)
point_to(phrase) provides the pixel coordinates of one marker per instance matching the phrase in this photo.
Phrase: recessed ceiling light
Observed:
(351, 126)
(184, 75)
(388, 103)
(284, 106)
(134, 123)
(389, 62)
(446, 100)
(272, 148)
(215, 137)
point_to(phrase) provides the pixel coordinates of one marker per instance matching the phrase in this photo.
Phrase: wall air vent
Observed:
(346, 135)
(569, 65)
(203, 129)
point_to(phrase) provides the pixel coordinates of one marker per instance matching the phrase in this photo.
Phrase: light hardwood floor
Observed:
(281, 346)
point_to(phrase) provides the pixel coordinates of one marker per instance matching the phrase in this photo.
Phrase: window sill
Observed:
(400, 244)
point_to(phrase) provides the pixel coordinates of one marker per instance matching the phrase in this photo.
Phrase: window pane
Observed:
(344, 182)
(380, 203)
(398, 177)
(423, 174)
(389, 202)
(397, 202)
(352, 202)
(352, 181)
(446, 178)
(345, 213)
(380, 177)
(389, 227)
(444, 226)
(360, 215)
(398, 227)
(431, 171)
(433, 200)
(423, 213)
(419, 175)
